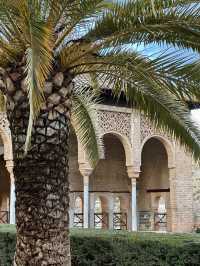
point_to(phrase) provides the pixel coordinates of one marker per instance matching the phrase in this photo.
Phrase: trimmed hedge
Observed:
(111, 248)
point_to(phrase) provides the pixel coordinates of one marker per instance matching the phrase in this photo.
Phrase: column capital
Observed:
(133, 172)
(85, 169)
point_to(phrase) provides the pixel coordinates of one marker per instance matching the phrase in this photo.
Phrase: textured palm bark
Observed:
(41, 178)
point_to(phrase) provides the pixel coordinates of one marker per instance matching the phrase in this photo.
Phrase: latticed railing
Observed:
(160, 221)
(4, 217)
(78, 220)
(145, 220)
(152, 221)
(101, 220)
(120, 220)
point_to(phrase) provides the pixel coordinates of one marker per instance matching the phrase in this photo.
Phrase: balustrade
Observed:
(120, 220)
(160, 221)
(101, 220)
(78, 220)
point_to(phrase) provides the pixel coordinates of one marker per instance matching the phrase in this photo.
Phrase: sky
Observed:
(196, 116)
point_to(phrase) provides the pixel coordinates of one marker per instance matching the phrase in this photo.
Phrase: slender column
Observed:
(71, 210)
(110, 209)
(133, 173)
(12, 203)
(91, 216)
(9, 166)
(86, 201)
(133, 205)
(86, 171)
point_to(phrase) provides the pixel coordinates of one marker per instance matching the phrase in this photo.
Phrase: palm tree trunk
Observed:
(41, 177)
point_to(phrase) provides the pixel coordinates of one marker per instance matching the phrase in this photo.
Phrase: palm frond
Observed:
(132, 22)
(38, 64)
(75, 32)
(84, 116)
(168, 66)
(11, 40)
(79, 15)
(11, 26)
(148, 84)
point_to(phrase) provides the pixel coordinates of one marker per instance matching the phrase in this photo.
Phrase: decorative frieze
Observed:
(118, 122)
(5, 135)
(148, 129)
(4, 123)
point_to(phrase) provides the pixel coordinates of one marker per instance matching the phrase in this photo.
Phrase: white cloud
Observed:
(196, 116)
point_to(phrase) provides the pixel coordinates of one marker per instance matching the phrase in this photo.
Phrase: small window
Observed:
(97, 206)
(161, 205)
(98, 216)
(117, 204)
(78, 213)
(78, 205)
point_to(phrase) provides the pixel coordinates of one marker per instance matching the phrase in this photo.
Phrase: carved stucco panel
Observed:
(5, 134)
(115, 121)
(148, 129)
(4, 123)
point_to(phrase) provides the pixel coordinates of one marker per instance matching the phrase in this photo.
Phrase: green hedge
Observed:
(111, 248)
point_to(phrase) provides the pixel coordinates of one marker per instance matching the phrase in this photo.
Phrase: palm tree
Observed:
(44, 46)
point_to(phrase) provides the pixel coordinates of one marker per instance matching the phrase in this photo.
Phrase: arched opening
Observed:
(161, 205)
(117, 204)
(119, 215)
(160, 217)
(4, 188)
(153, 187)
(78, 212)
(98, 205)
(98, 214)
(78, 205)
(110, 174)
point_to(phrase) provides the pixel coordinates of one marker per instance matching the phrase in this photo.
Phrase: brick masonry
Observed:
(130, 140)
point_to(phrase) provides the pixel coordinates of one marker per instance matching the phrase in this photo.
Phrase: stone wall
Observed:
(184, 188)
(196, 194)
(167, 165)
(125, 132)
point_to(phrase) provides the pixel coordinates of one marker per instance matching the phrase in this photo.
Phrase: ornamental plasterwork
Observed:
(5, 134)
(115, 121)
(147, 129)
(4, 123)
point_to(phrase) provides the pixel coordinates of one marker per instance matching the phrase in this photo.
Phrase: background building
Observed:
(144, 181)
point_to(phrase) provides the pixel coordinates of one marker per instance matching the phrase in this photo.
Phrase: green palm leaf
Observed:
(134, 22)
(148, 85)
(88, 37)
(84, 117)
(38, 63)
